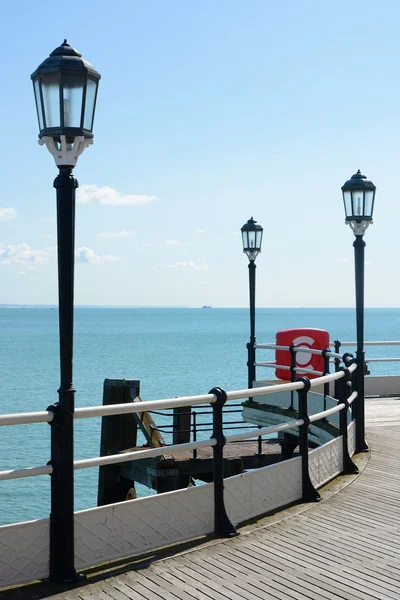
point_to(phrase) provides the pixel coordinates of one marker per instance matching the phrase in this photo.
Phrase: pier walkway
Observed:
(346, 546)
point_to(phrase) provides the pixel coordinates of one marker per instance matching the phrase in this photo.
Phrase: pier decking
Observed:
(346, 546)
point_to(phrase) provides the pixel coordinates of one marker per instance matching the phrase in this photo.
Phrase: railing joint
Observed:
(55, 409)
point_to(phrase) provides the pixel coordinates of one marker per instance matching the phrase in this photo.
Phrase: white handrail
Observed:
(352, 397)
(28, 417)
(391, 343)
(100, 461)
(326, 413)
(286, 368)
(271, 346)
(27, 472)
(368, 360)
(237, 437)
(139, 407)
(170, 403)
(267, 389)
(304, 349)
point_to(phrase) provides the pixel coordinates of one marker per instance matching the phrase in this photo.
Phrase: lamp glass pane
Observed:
(347, 204)
(73, 94)
(244, 239)
(89, 104)
(369, 203)
(252, 239)
(51, 100)
(259, 234)
(358, 203)
(39, 104)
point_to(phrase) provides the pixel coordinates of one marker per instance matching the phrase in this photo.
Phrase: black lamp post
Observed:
(252, 234)
(359, 197)
(65, 87)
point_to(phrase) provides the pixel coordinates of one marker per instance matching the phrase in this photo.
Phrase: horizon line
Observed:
(179, 306)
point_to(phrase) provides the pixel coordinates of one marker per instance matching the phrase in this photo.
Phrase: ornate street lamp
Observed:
(252, 234)
(359, 198)
(65, 87)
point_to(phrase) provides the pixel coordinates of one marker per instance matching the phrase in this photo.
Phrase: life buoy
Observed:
(315, 339)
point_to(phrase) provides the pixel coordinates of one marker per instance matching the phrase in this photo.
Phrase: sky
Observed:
(208, 113)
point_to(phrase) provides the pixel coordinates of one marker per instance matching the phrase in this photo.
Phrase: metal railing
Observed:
(216, 398)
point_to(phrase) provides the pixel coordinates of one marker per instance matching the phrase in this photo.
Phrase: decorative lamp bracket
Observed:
(252, 255)
(65, 155)
(359, 227)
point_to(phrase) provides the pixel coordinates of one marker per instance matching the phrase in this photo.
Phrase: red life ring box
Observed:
(316, 339)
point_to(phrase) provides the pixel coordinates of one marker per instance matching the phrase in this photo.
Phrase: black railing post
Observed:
(251, 351)
(194, 415)
(359, 246)
(337, 365)
(324, 353)
(62, 559)
(310, 494)
(292, 372)
(222, 524)
(349, 467)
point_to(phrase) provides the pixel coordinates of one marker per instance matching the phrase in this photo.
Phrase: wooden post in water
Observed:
(118, 432)
(181, 425)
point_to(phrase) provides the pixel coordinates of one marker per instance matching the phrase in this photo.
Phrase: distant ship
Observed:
(205, 306)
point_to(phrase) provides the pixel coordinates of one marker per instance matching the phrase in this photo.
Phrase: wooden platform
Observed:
(346, 547)
(173, 472)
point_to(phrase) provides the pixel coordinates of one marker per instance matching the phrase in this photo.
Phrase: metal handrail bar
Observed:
(179, 448)
(380, 343)
(286, 368)
(27, 472)
(352, 397)
(326, 413)
(205, 412)
(112, 459)
(368, 360)
(268, 389)
(304, 349)
(264, 431)
(270, 346)
(139, 407)
(176, 448)
(285, 387)
(44, 416)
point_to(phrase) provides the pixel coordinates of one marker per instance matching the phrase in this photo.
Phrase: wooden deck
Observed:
(347, 546)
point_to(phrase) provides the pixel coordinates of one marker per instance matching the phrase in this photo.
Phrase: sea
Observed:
(173, 351)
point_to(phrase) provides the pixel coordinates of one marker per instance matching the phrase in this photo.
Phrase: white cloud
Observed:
(200, 231)
(22, 273)
(144, 246)
(117, 234)
(48, 219)
(171, 243)
(7, 214)
(185, 264)
(107, 195)
(23, 253)
(341, 260)
(86, 255)
(189, 264)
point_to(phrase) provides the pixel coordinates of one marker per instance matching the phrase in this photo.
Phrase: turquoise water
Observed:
(173, 352)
